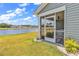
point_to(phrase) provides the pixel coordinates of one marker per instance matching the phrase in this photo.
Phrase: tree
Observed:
(4, 25)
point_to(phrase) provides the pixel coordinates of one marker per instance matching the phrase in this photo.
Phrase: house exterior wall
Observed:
(71, 18)
(51, 6)
(72, 21)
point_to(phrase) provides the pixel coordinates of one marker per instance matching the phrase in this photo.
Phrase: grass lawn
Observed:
(7, 28)
(23, 45)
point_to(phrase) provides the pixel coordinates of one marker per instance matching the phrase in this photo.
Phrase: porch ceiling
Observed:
(52, 11)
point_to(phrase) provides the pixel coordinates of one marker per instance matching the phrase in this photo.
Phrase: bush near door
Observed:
(71, 45)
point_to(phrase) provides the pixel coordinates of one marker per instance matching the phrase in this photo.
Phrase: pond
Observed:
(7, 32)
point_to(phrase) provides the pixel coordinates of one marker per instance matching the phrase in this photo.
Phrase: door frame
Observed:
(51, 39)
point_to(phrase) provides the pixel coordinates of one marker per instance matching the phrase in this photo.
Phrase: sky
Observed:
(18, 13)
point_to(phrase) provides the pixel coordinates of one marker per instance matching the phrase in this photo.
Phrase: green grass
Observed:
(24, 45)
(7, 28)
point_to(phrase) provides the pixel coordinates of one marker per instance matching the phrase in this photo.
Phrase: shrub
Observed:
(77, 46)
(71, 45)
(50, 34)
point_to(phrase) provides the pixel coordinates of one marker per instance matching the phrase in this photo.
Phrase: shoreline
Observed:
(7, 28)
(16, 34)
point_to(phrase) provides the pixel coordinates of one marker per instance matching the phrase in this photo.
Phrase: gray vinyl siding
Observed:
(51, 6)
(71, 18)
(72, 21)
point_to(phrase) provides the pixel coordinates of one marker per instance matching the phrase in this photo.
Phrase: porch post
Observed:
(39, 28)
(55, 27)
(45, 27)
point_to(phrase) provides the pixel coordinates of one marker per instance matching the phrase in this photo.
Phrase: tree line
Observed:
(4, 25)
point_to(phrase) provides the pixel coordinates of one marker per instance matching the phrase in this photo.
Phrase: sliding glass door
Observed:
(50, 28)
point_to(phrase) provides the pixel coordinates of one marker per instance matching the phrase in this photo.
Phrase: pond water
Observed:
(7, 32)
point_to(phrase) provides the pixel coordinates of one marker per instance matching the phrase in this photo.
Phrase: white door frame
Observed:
(52, 39)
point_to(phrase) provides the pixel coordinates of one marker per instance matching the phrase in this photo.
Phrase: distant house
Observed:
(24, 26)
(13, 26)
(64, 18)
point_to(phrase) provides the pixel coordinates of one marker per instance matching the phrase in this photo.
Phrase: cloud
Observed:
(5, 18)
(11, 15)
(18, 10)
(22, 21)
(31, 20)
(36, 3)
(9, 11)
(27, 18)
(23, 4)
(34, 16)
